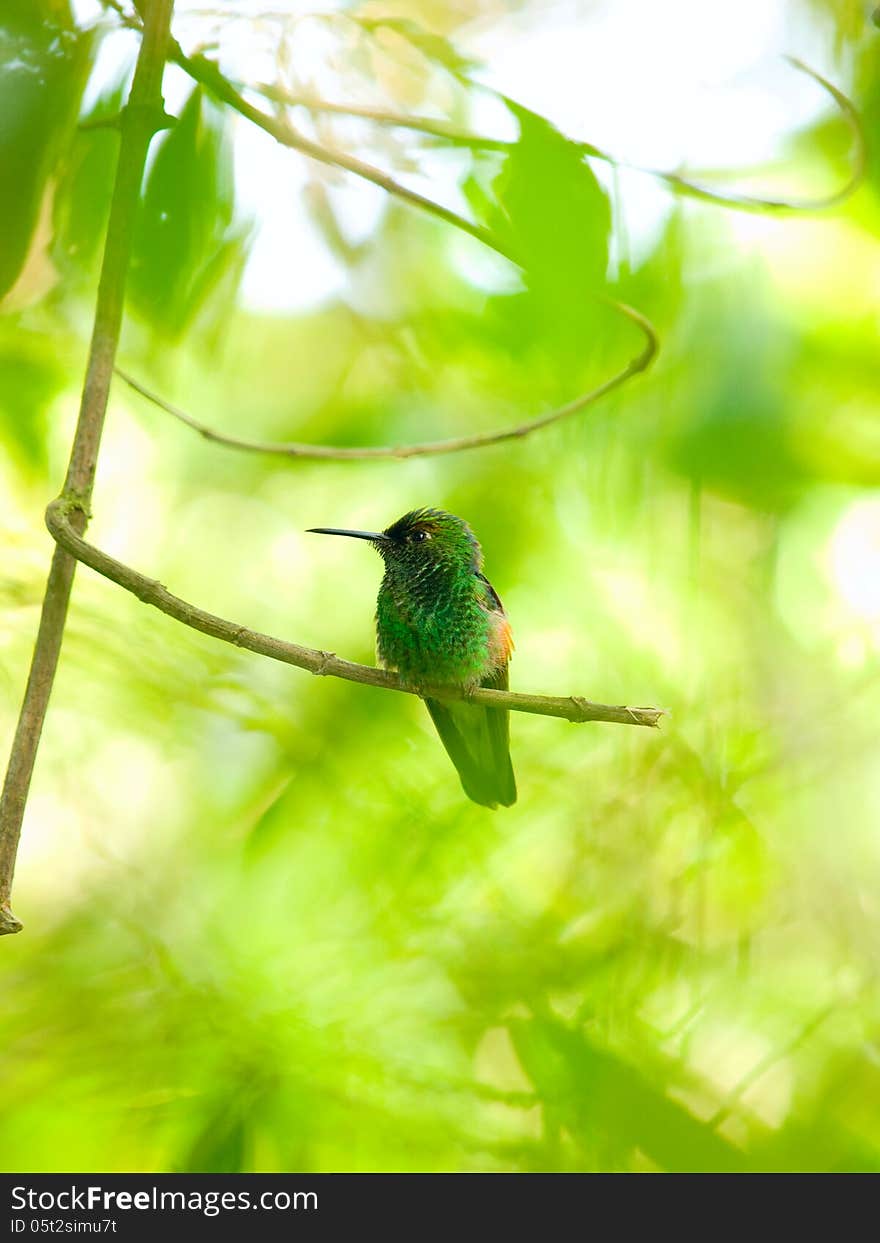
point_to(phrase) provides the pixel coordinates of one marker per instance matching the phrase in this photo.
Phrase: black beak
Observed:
(374, 537)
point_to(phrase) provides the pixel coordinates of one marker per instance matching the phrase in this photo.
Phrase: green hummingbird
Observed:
(439, 621)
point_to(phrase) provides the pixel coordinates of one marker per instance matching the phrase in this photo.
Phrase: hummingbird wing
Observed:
(476, 738)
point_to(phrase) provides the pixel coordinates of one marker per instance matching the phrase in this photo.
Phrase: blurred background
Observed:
(264, 928)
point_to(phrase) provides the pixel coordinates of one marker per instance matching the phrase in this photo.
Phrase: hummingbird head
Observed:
(421, 541)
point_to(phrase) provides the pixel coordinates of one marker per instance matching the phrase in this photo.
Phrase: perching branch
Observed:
(347, 453)
(142, 116)
(326, 664)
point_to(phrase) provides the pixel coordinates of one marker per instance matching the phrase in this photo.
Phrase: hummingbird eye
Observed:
(418, 537)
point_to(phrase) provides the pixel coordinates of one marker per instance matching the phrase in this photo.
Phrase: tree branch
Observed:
(324, 664)
(140, 119)
(347, 453)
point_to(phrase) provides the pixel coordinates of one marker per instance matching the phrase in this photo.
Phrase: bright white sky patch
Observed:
(682, 83)
(854, 559)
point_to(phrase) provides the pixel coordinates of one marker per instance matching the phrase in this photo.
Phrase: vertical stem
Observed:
(141, 118)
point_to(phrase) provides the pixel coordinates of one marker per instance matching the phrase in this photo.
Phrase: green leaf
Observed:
(551, 212)
(85, 186)
(187, 238)
(558, 215)
(45, 63)
(31, 374)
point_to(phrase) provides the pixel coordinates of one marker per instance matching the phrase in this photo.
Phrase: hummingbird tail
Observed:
(477, 741)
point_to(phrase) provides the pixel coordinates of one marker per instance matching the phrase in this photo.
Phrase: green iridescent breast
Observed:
(437, 629)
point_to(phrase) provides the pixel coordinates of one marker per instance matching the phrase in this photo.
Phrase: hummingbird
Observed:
(439, 621)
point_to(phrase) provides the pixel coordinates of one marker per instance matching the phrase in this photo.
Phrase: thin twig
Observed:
(346, 453)
(140, 119)
(747, 202)
(681, 183)
(430, 126)
(325, 664)
(208, 75)
(677, 181)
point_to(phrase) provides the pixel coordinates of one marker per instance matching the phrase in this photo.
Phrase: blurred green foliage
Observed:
(45, 64)
(187, 241)
(264, 929)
